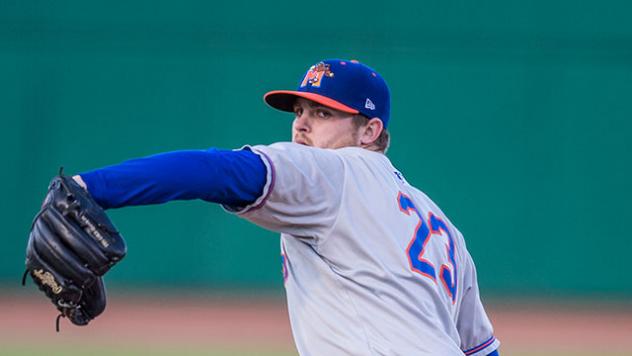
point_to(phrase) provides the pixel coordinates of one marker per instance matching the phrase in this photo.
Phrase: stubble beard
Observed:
(348, 142)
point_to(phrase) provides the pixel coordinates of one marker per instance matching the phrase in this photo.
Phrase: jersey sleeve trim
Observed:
(267, 189)
(484, 348)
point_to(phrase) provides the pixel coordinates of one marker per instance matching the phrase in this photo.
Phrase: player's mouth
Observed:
(302, 141)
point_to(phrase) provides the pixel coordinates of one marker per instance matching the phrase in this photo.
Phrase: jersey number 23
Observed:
(423, 236)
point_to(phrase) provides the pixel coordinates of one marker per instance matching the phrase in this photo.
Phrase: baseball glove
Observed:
(72, 243)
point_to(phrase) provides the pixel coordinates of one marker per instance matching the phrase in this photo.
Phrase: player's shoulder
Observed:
(372, 160)
(364, 155)
(358, 151)
(287, 147)
(291, 149)
(295, 148)
(303, 157)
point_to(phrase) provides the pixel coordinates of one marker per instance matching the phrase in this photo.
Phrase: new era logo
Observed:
(369, 104)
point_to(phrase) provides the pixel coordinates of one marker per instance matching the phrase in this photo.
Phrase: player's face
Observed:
(320, 126)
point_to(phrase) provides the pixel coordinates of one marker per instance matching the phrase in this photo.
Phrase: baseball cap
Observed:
(345, 85)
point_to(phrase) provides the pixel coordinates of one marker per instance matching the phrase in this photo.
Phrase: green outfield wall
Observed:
(516, 119)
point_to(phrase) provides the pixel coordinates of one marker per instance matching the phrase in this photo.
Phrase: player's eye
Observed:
(298, 111)
(323, 114)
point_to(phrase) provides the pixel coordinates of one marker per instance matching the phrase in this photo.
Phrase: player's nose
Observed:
(301, 123)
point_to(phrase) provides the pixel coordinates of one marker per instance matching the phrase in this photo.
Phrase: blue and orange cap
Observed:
(345, 85)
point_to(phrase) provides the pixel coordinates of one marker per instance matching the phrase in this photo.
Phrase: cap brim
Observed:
(284, 100)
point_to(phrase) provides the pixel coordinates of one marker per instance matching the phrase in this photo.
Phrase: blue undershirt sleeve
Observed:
(230, 177)
(495, 353)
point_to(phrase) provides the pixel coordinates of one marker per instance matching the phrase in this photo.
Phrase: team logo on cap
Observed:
(315, 74)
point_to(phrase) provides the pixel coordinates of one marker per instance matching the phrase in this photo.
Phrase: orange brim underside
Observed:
(284, 100)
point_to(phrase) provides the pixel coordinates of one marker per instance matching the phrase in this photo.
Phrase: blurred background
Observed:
(515, 117)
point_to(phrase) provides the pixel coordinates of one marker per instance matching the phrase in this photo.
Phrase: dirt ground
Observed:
(262, 323)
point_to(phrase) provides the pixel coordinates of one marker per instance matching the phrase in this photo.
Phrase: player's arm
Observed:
(230, 177)
(72, 242)
(473, 324)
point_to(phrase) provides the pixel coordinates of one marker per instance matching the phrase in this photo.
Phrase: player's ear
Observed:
(371, 131)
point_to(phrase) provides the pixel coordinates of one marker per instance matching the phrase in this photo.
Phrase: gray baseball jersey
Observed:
(371, 265)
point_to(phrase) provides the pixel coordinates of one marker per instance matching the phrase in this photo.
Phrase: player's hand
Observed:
(72, 243)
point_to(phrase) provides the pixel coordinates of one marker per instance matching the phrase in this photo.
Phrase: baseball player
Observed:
(371, 265)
